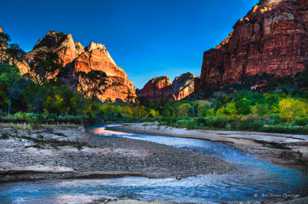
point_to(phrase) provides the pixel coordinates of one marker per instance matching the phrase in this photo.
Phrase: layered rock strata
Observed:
(272, 39)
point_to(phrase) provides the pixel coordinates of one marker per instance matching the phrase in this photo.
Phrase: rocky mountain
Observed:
(272, 39)
(90, 70)
(9, 53)
(3, 45)
(270, 42)
(162, 89)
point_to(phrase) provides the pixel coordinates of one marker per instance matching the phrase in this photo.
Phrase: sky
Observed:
(147, 38)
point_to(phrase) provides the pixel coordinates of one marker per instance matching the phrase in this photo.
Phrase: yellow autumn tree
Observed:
(290, 108)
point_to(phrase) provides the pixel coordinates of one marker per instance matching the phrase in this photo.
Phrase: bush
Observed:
(290, 108)
(229, 109)
(184, 109)
(244, 110)
(186, 123)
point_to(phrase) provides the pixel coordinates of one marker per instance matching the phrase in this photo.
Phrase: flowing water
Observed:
(258, 180)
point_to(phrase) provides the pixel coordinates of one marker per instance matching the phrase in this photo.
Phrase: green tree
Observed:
(184, 109)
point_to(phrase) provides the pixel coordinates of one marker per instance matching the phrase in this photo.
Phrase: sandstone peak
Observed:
(184, 86)
(97, 58)
(100, 49)
(51, 40)
(156, 89)
(160, 80)
(1, 30)
(90, 71)
(183, 80)
(94, 45)
(79, 48)
(187, 75)
(161, 89)
(99, 76)
(272, 39)
(50, 54)
(272, 2)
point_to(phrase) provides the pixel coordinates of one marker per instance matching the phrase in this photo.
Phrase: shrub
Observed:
(228, 109)
(184, 109)
(186, 123)
(290, 108)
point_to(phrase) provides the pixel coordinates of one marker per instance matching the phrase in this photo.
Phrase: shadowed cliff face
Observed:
(271, 39)
(3, 45)
(90, 70)
(9, 53)
(161, 89)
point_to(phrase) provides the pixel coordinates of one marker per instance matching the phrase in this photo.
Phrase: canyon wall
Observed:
(161, 89)
(271, 39)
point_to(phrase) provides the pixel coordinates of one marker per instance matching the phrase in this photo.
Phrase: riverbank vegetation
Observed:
(24, 101)
(244, 110)
(282, 110)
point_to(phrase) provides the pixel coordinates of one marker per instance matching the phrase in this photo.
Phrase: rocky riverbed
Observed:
(283, 149)
(50, 152)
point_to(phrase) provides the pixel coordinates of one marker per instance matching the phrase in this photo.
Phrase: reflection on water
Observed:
(256, 180)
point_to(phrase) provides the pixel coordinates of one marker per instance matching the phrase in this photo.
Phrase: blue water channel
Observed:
(256, 180)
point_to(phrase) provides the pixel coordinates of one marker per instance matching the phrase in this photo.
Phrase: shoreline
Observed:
(66, 152)
(69, 138)
(283, 149)
(24, 175)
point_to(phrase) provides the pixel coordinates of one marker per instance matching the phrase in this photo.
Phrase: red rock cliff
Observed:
(156, 89)
(272, 39)
(98, 75)
(90, 70)
(161, 89)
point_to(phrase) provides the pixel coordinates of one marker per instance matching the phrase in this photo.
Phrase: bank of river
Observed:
(227, 174)
(284, 149)
(56, 152)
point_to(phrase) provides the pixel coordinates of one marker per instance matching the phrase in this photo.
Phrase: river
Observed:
(256, 180)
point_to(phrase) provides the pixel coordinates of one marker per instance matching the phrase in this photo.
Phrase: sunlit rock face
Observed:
(98, 75)
(49, 57)
(184, 86)
(90, 70)
(271, 39)
(162, 89)
(156, 89)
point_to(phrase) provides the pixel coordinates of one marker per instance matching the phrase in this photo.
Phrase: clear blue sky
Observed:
(145, 37)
